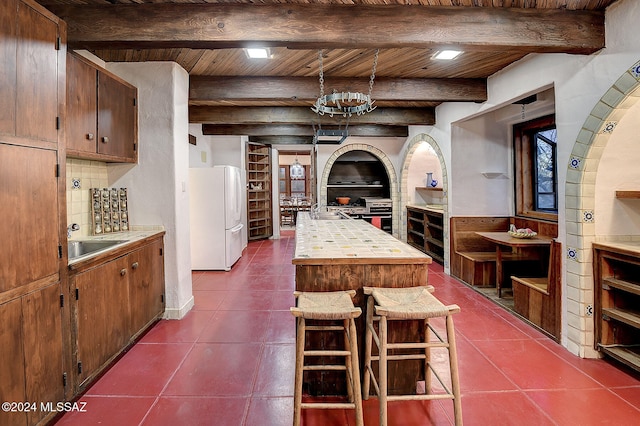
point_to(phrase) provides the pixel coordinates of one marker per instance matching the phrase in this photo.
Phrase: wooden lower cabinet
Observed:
(31, 350)
(146, 285)
(115, 302)
(102, 316)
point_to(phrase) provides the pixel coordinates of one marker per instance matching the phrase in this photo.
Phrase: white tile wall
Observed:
(92, 174)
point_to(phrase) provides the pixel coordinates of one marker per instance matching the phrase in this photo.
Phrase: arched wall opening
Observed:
(586, 190)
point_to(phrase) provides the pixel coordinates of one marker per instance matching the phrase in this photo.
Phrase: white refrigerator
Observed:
(215, 202)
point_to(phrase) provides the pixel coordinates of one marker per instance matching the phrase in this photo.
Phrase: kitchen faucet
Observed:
(71, 228)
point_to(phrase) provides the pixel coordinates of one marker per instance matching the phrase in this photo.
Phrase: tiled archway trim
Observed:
(393, 178)
(404, 196)
(579, 209)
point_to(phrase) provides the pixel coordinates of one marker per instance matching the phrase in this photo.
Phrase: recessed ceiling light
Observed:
(258, 53)
(447, 54)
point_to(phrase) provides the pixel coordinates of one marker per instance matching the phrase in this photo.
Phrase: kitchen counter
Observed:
(631, 248)
(349, 241)
(437, 208)
(334, 255)
(138, 236)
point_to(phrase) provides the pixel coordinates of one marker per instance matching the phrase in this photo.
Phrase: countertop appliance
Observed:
(215, 202)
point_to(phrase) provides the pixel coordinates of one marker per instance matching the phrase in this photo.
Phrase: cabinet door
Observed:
(116, 118)
(8, 47)
(12, 380)
(82, 98)
(29, 226)
(102, 315)
(37, 76)
(146, 285)
(42, 333)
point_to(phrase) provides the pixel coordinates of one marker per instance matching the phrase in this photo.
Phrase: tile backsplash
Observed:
(81, 176)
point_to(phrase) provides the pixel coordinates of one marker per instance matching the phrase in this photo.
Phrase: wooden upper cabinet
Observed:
(29, 51)
(37, 76)
(82, 96)
(116, 117)
(29, 227)
(8, 46)
(102, 113)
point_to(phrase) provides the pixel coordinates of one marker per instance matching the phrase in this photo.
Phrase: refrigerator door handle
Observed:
(237, 228)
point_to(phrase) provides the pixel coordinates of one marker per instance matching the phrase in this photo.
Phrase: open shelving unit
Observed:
(259, 206)
(617, 301)
(425, 231)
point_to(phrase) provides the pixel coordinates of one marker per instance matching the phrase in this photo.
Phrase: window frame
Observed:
(287, 180)
(525, 169)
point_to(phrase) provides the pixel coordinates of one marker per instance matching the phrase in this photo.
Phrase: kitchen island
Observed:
(333, 255)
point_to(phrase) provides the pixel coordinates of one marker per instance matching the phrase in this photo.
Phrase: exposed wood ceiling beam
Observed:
(331, 26)
(282, 140)
(307, 89)
(301, 130)
(304, 115)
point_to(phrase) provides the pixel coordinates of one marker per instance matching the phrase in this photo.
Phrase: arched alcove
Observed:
(580, 201)
(393, 179)
(410, 152)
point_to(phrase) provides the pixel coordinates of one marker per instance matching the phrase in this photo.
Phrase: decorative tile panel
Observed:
(609, 126)
(635, 70)
(587, 216)
(575, 163)
(572, 254)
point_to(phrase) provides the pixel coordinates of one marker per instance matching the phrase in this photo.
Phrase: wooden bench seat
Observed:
(540, 284)
(473, 259)
(538, 298)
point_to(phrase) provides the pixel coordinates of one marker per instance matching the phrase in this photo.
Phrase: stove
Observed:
(365, 207)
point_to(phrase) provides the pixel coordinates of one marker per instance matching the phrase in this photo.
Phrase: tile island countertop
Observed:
(349, 241)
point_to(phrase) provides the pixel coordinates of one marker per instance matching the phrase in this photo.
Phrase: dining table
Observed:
(523, 250)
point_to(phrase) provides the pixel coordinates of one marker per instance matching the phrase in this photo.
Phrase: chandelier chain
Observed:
(321, 73)
(373, 72)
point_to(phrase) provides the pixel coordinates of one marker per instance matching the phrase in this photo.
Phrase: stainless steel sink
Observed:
(80, 248)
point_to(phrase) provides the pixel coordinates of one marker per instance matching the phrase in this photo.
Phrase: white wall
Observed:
(619, 169)
(212, 151)
(158, 184)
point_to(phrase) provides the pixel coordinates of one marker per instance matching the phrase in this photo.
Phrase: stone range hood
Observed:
(357, 174)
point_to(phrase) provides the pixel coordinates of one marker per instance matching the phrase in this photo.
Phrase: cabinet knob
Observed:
(123, 272)
(105, 139)
(134, 265)
(90, 136)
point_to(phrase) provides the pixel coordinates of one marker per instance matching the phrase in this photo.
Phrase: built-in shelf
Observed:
(493, 175)
(260, 224)
(617, 283)
(428, 188)
(425, 231)
(628, 194)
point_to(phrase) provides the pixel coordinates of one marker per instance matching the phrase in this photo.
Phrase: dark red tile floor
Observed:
(230, 362)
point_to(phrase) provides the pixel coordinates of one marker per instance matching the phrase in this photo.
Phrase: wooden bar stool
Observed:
(330, 308)
(412, 303)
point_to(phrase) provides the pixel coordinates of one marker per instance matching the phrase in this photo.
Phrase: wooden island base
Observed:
(336, 255)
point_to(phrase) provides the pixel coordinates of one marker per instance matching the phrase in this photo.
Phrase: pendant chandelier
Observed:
(344, 103)
(296, 171)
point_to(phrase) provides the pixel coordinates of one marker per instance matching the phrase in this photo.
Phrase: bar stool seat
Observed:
(411, 303)
(328, 309)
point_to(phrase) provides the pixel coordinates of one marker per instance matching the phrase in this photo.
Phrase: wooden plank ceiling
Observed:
(272, 97)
